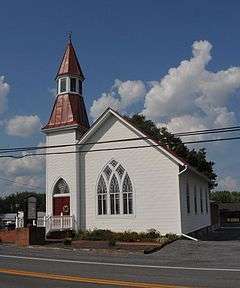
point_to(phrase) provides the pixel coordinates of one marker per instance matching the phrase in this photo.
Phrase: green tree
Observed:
(196, 158)
(225, 196)
(16, 202)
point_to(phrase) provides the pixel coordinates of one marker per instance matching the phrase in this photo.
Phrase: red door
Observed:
(61, 205)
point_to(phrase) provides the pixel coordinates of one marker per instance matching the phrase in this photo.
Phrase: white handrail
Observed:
(59, 223)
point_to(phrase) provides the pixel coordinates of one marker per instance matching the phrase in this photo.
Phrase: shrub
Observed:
(171, 236)
(112, 242)
(126, 236)
(67, 241)
(152, 234)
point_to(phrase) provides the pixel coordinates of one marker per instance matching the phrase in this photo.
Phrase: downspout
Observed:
(184, 170)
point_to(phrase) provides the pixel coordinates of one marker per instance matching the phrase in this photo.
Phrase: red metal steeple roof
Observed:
(70, 64)
(69, 108)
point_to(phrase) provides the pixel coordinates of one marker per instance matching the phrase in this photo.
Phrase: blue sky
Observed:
(125, 40)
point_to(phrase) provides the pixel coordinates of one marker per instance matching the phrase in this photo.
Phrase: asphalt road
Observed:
(182, 263)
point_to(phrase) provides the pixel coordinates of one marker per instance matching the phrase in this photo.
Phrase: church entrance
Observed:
(61, 205)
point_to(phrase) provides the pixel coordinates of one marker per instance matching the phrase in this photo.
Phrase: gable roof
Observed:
(155, 144)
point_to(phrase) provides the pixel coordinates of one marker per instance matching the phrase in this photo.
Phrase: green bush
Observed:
(112, 242)
(151, 235)
(67, 241)
(171, 236)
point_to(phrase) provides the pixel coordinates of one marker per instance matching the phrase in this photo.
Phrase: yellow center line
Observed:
(99, 281)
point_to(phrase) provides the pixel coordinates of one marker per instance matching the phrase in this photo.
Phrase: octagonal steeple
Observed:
(69, 108)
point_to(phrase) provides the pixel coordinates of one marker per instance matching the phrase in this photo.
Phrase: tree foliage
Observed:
(16, 202)
(196, 158)
(225, 196)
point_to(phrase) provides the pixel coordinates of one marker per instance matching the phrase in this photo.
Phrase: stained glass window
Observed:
(114, 195)
(127, 195)
(108, 172)
(114, 163)
(114, 190)
(102, 196)
(120, 170)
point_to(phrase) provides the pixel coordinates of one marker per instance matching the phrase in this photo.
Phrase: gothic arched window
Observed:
(61, 187)
(114, 190)
(114, 196)
(102, 196)
(127, 195)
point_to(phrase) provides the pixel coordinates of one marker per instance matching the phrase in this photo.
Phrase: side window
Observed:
(195, 199)
(63, 85)
(73, 84)
(206, 200)
(201, 200)
(188, 198)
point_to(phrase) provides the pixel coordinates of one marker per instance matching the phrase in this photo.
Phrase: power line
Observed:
(116, 148)
(27, 148)
(20, 183)
(212, 140)
(179, 134)
(209, 130)
(190, 133)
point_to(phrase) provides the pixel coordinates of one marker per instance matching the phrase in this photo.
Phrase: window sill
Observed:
(118, 216)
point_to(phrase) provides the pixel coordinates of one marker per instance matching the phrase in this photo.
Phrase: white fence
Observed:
(59, 223)
(19, 222)
(52, 223)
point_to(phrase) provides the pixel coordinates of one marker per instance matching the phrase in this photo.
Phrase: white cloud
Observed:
(228, 183)
(190, 96)
(23, 126)
(27, 165)
(26, 173)
(4, 90)
(32, 183)
(122, 95)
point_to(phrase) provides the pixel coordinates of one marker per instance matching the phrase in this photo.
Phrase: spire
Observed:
(70, 64)
(69, 108)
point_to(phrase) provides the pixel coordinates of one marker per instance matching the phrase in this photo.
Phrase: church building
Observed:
(109, 175)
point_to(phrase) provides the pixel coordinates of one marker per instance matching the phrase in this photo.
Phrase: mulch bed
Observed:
(147, 247)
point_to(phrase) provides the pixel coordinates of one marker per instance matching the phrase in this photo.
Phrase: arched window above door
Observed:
(61, 187)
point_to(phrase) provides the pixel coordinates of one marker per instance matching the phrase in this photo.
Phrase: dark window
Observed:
(195, 199)
(206, 199)
(114, 196)
(73, 86)
(201, 200)
(61, 187)
(102, 196)
(80, 87)
(63, 85)
(188, 198)
(127, 195)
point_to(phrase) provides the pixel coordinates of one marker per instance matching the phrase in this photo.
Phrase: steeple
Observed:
(70, 64)
(69, 108)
